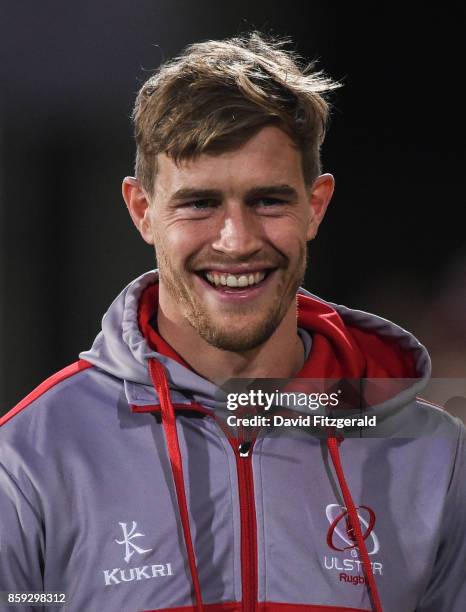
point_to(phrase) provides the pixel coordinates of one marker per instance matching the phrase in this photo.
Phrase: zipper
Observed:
(243, 456)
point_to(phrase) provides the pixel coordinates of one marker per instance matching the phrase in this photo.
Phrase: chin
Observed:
(240, 338)
(234, 344)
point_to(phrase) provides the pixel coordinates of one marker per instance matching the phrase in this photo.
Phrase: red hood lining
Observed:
(338, 350)
(148, 304)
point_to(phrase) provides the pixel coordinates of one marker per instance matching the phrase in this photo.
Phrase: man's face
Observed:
(230, 233)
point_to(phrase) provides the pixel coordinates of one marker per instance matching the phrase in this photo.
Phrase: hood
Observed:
(339, 342)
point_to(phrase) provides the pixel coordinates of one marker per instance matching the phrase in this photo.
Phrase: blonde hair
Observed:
(217, 94)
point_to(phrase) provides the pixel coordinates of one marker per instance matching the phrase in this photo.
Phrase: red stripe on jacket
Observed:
(51, 381)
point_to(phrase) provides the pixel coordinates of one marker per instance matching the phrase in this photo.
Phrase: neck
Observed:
(280, 356)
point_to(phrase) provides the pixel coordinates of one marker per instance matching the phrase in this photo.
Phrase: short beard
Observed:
(219, 336)
(237, 342)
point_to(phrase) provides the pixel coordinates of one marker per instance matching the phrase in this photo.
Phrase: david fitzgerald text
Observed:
(301, 421)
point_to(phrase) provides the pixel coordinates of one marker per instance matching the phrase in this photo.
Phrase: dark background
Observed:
(394, 238)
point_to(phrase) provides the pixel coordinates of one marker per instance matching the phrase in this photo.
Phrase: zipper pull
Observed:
(244, 448)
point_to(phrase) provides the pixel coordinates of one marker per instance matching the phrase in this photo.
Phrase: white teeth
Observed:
(232, 280)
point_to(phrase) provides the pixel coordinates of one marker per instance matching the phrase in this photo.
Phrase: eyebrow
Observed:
(280, 190)
(195, 194)
(264, 190)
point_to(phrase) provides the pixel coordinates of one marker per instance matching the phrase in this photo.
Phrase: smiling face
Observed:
(230, 233)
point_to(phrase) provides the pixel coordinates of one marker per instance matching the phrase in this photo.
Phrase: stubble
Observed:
(219, 334)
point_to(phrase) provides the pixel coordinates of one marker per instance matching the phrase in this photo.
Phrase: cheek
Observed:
(288, 237)
(178, 244)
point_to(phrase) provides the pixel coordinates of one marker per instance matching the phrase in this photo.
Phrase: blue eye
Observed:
(201, 204)
(270, 202)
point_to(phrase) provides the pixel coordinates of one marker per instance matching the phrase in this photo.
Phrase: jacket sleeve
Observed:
(21, 542)
(446, 591)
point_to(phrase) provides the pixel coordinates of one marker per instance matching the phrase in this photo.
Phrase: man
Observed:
(121, 485)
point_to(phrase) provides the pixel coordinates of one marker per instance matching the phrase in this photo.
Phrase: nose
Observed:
(239, 233)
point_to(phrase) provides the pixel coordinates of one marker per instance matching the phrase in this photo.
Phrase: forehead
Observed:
(269, 157)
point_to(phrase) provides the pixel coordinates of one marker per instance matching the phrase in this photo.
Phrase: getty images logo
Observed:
(129, 574)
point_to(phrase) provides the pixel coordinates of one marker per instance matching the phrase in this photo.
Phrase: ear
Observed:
(138, 206)
(319, 198)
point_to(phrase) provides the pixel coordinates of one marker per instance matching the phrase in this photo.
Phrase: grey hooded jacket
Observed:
(96, 504)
